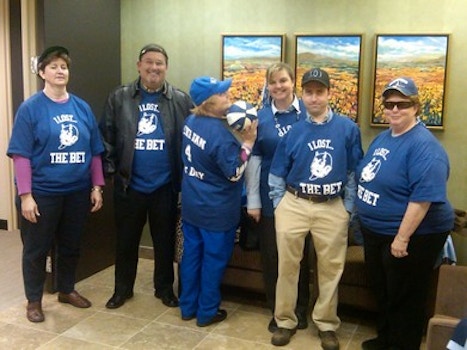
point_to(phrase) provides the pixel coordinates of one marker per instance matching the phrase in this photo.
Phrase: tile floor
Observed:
(145, 323)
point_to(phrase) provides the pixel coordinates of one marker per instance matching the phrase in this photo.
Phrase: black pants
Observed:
(269, 260)
(61, 222)
(401, 285)
(132, 210)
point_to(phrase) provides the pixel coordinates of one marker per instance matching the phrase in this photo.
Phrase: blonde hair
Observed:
(277, 67)
(204, 108)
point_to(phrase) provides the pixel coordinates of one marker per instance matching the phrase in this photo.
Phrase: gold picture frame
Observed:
(245, 58)
(422, 57)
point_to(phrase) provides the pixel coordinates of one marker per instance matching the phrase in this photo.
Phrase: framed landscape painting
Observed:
(245, 59)
(420, 57)
(339, 55)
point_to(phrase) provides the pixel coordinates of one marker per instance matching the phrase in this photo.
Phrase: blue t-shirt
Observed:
(151, 165)
(59, 139)
(412, 167)
(316, 158)
(271, 128)
(211, 184)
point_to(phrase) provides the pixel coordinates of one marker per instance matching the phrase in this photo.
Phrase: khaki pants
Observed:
(328, 223)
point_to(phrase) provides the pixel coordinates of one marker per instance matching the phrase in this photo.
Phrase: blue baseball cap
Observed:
(405, 86)
(204, 87)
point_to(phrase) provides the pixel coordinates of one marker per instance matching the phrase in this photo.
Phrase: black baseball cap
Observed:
(153, 48)
(55, 50)
(316, 74)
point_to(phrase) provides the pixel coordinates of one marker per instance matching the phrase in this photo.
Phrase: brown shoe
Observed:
(34, 312)
(329, 340)
(282, 336)
(75, 299)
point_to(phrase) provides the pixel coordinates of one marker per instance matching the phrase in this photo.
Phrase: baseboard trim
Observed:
(146, 252)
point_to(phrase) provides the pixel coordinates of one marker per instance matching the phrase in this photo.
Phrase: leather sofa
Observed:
(451, 297)
(245, 271)
(450, 306)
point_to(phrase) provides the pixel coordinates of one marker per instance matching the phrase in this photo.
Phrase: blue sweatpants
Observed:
(205, 257)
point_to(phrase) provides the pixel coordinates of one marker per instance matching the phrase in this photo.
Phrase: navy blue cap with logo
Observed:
(318, 75)
(405, 86)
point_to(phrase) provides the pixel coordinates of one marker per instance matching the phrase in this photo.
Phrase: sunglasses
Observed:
(399, 104)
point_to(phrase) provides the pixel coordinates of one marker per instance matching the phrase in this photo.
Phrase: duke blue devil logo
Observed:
(370, 170)
(147, 124)
(321, 165)
(69, 134)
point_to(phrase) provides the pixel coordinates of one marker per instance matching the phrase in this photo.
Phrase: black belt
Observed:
(309, 197)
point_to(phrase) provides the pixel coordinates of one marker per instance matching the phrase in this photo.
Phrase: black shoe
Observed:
(272, 326)
(302, 320)
(169, 300)
(118, 300)
(282, 336)
(220, 316)
(374, 344)
(329, 340)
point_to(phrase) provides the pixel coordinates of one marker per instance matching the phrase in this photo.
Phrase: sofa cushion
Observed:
(355, 271)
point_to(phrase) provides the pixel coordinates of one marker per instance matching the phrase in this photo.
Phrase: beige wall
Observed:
(191, 33)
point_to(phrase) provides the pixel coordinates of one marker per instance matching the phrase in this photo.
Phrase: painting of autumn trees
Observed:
(340, 57)
(245, 59)
(420, 57)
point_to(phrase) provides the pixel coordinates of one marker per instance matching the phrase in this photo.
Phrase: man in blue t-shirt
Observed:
(313, 190)
(142, 129)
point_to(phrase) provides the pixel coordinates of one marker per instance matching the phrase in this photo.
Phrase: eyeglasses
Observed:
(399, 104)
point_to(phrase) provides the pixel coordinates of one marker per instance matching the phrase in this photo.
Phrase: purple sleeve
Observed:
(23, 174)
(97, 174)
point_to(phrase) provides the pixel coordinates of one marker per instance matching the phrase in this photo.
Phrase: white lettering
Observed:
(155, 145)
(198, 141)
(187, 131)
(59, 158)
(194, 137)
(320, 144)
(332, 189)
(77, 157)
(139, 144)
(311, 189)
(67, 158)
(193, 172)
(64, 118)
(382, 152)
(149, 107)
(281, 131)
(367, 196)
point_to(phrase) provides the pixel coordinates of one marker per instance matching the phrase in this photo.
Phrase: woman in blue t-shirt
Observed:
(405, 216)
(214, 163)
(275, 119)
(56, 149)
